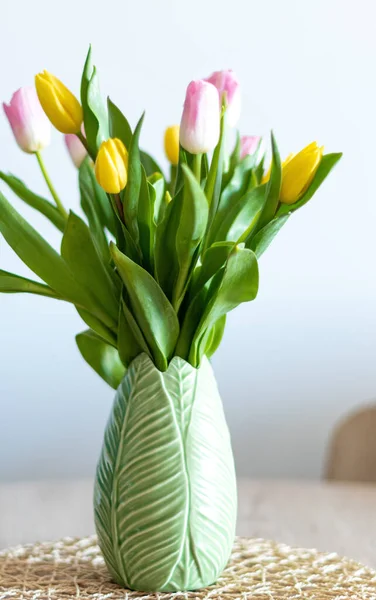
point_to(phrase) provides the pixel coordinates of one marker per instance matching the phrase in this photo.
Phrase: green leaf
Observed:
(145, 220)
(98, 326)
(327, 163)
(232, 193)
(131, 341)
(215, 337)
(165, 260)
(165, 492)
(91, 199)
(159, 185)
(266, 235)
(149, 164)
(39, 256)
(214, 181)
(150, 307)
(273, 188)
(102, 357)
(233, 162)
(119, 126)
(190, 232)
(81, 255)
(133, 187)
(41, 204)
(128, 346)
(95, 116)
(11, 283)
(212, 261)
(237, 282)
(242, 217)
(197, 298)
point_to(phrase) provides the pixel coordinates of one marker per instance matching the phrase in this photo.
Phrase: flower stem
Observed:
(83, 141)
(197, 158)
(50, 186)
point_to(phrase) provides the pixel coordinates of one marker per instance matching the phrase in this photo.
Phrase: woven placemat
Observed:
(259, 569)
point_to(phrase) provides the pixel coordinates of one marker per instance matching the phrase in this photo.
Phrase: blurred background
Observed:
(300, 357)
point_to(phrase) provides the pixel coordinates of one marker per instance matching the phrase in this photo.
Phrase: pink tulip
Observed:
(249, 144)
(227, 83)
(76, 149)
(29, 124)
(200, 122)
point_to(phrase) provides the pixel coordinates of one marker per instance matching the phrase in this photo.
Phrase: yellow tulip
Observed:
(171, 144)
(111, 166)
(298, 172)
(60, 105)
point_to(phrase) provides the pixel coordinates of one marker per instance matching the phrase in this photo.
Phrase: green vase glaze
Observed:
(165, 492)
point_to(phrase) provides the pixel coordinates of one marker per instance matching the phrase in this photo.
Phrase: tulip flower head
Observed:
(76, 149)
(249, 144)
(29, 124)
(227, 84)
(200, 122)
(298, 172)
(60, 105)
(111, 166)
(171, 144)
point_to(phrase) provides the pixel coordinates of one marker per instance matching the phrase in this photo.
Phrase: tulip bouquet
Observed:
(153, 269)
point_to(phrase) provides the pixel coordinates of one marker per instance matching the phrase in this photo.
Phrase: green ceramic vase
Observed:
(165, 492)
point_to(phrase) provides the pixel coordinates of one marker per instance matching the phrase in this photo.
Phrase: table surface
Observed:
(335, 517)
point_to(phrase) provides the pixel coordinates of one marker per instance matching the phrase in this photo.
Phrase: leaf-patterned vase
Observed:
(165, 493)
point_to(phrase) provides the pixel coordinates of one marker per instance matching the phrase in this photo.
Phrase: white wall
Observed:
(304, 352)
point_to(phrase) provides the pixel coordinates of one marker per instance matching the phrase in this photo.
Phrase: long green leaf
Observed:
(11, 283)
(165, 260)
(131, 341)
(119, 126)
(215, 336)
(145, 220)
(98, 326)
(190, 232)
(102, 357)
(214, 180)
(150, 307)
(176, 531)
(212, 261)
(197, 298)
(327, 163)
(234, 190)
(273, 187)
(128, 346)
(91, 200)
(133, 187)
(95, 116)
(159, 185)
(39, 256)
(81, 254)
(149, 164)
(242, 217)
(260, 242)
(237, 282)
(40, 204)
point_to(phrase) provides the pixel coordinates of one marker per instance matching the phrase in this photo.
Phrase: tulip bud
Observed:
(60, 105)
(29, 124)
(249, 144)
(171, 144)
(76, 149)
(298, 172)
(200, 121)
(111, 166)
(227, 83)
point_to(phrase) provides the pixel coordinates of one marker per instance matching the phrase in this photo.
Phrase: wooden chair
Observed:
(352, 450)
